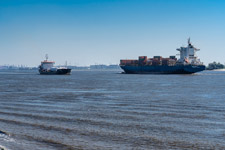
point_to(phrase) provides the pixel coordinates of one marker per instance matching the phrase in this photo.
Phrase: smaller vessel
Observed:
(47, 68)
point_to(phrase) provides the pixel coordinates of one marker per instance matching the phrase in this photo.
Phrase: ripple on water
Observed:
(105, 110)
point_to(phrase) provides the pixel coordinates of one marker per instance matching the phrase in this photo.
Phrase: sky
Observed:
(85, 32)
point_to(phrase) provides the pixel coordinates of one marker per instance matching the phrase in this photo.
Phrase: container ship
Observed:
(47, 68)
(188, 63)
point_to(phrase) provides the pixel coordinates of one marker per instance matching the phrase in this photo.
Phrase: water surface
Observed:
(109, 110)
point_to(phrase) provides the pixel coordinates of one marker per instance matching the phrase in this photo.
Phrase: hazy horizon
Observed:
(87, 32)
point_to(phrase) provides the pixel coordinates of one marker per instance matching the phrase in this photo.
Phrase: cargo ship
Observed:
(188, 63)
(47, 68)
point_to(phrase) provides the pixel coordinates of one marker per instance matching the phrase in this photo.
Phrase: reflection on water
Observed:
(108, 110)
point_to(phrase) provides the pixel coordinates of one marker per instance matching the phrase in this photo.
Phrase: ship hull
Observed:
(177, 69)
(57, 72)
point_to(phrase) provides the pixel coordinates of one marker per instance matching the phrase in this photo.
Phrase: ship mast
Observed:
(189, 41)
(46, 57)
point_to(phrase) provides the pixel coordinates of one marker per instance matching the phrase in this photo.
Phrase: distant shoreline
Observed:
(217, 70)
(91, 67)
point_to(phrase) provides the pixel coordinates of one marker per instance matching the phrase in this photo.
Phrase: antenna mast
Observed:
(189, 41)
(46, 57)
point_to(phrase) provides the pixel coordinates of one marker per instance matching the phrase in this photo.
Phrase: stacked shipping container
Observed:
(155, 61)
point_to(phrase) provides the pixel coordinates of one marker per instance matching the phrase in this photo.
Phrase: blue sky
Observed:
(84, 32)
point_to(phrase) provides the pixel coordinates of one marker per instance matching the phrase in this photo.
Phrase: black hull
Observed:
(58, 72)
(177, 69)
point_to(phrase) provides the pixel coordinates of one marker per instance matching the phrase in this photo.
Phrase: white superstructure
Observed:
(188, 54)
(47, 65)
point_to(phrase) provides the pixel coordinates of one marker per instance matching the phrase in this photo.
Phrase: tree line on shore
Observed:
(215, 65)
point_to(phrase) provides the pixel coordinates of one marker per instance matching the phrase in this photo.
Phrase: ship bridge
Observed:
(188, 54)
(47, 65)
